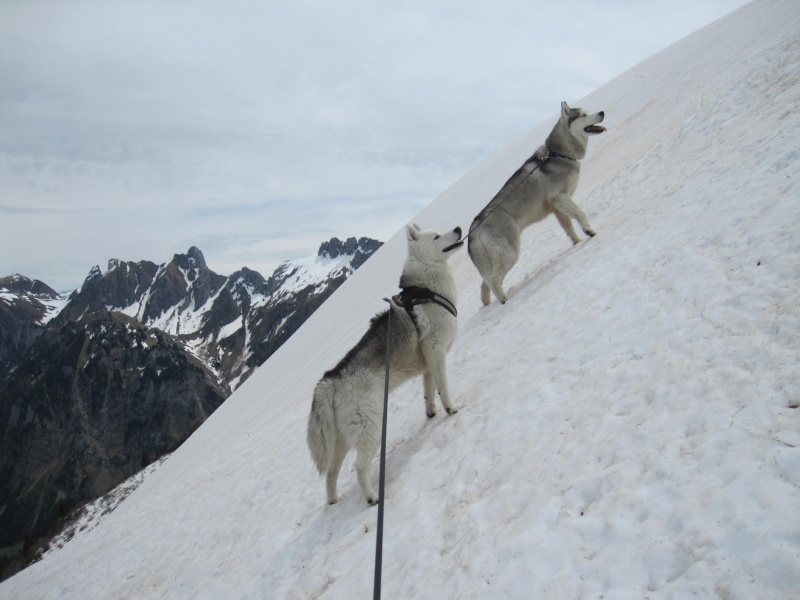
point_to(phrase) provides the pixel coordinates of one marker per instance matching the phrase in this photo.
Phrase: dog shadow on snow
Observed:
(423, 434)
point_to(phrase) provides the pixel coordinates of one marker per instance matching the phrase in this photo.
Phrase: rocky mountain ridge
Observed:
(95, 386)
(232, 324)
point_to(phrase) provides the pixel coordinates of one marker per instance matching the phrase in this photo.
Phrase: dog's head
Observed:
(429, 246)
(580, 122)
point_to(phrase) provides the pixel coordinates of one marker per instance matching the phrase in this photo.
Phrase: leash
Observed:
(407, 299)
(376, 593)
(540, 161)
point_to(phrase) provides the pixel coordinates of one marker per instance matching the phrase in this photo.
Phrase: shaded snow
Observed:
(53, 306)
(625, 427)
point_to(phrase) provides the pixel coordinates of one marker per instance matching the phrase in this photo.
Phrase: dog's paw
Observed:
(452, 410)
(372, 500)
(430, 407)
(590, 232)
(334, 501)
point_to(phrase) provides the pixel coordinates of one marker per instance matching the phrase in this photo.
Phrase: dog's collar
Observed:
(409, 297)
(550, 154)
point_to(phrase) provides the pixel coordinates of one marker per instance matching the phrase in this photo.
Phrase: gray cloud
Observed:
(254, 130)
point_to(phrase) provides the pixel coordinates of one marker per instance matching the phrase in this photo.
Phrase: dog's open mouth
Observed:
(458, 244)
(594, 129)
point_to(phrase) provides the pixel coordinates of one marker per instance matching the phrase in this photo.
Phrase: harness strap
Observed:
(537, 160)
(550, 154)
(409, 297)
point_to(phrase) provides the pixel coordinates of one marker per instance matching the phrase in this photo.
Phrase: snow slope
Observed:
(627, 426)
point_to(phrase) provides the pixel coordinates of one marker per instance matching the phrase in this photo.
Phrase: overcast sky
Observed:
(255, 130)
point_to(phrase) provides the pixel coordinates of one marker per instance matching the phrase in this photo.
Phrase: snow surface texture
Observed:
(625, 430)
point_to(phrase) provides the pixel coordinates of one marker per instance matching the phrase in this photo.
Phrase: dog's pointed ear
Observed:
(412, 232)
(564, 109)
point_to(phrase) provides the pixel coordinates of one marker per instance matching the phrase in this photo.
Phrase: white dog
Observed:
(543, 185)
(347, 410)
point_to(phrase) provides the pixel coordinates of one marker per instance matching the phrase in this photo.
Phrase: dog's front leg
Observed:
(564, 204)
(436, 360)
(566, 225)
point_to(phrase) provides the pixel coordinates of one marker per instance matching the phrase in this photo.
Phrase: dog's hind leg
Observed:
(366, 448)
(332, 474)
(497, 287)
(562, 203)
(494, 266)
(503, 262)
(481, 261)
(505, 254)
(486, 293)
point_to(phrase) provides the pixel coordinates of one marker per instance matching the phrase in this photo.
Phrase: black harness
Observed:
(409, 297)
(541, 160)
(550, 154)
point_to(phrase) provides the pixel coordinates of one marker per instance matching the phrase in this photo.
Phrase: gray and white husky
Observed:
(347, 410)
(544, 184)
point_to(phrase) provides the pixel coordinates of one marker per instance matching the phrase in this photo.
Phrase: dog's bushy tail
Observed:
(322, 433)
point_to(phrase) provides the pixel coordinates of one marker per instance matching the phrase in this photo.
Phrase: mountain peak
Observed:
(335, 247)
(17, 283)
(360, 249)
(94, 274)
(196, 257)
